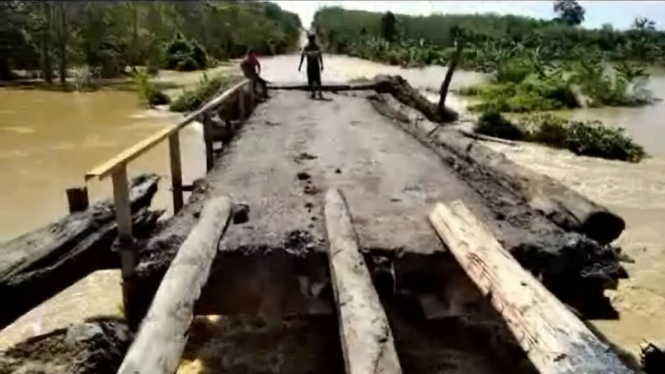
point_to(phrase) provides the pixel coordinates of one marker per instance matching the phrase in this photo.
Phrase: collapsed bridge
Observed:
(320, 208)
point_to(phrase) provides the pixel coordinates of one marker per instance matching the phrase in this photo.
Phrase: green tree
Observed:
(388, 26)
(45, 30)
(569, 12)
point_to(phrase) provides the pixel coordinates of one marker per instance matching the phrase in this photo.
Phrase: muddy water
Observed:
(48, 140)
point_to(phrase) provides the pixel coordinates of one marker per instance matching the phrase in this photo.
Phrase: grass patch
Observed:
(205, 90)
(532, 94)
(590, 138)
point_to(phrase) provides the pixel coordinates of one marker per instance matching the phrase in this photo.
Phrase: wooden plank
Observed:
(146, 144)
(163, 334)
(208, 140)
(367, 341)
(555, 340)
(176, 171)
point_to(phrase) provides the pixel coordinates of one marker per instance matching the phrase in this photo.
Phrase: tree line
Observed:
(109, 36)
(422, 40)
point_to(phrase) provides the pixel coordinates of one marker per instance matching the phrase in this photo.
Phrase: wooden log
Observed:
(555, 340)
(575, 268)
(399, 88)
(565, 207)
(569, 209)
(39, 264)
(367, 341)
(163, 333)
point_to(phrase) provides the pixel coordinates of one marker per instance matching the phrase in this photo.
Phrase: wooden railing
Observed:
(116, 167)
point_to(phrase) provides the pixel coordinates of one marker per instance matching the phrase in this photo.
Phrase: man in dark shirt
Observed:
(251, 68)
(314, 64)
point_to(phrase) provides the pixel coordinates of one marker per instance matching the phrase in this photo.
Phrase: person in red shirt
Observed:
(251, 68)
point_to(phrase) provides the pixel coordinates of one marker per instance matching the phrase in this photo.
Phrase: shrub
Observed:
(187, 64)
(532, 94)
(582, 138)
(595, 140)
(185, 55)
(148, 93)
(494, 124)
(205, 90)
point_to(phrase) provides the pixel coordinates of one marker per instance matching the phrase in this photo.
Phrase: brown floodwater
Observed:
(48, 140)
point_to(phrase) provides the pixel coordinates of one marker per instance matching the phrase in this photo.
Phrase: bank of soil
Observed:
(637, 193)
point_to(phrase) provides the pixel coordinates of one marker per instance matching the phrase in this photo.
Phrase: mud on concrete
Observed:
(94, 347)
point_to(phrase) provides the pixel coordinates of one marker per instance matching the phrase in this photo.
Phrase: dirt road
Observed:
(293, 149)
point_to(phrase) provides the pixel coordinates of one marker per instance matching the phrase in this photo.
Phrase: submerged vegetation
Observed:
(148, 92)
(536, 65)
(111, 37)
(590, 138)
(204, 91)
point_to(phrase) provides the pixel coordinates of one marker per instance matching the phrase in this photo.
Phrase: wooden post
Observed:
(128, 253)
(242, 107)
(367, 341)
(77, 199)
(176, 171)
(123, 213)
(163, 334)
(207, 138)
(555, 340)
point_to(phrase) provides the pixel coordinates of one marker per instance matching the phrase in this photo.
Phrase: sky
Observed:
(618, 13)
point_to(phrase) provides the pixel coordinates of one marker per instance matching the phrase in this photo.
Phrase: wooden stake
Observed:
(77, 199)
(176, 172)
(367, 342)
(555, 340)
(163, 334)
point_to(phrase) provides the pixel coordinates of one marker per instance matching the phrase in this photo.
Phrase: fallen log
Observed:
(555, 340)
(401, 90)
(565, 207)
(163, 334)
(39, 264)
(367, 342)
(572, 266)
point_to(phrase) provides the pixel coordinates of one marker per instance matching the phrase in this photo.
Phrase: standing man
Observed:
(251, 68)
(314, 64)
